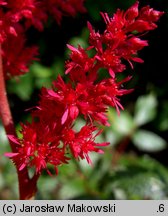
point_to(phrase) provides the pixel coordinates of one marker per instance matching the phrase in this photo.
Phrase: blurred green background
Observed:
(135, 165)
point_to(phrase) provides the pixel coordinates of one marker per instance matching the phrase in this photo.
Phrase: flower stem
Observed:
(27, 186)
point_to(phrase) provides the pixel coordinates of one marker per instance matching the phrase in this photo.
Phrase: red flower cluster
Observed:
(120, 41)
(16, 62)
(17, 16)
(51, 136)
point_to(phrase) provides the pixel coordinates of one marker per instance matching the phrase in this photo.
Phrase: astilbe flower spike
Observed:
(34, 12)
(15, 19)
(15, 57)
(51, 136)
(37, 149)
(17, 62)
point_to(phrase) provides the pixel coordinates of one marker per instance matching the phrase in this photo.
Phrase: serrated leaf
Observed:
(145, 109)
(148, 141)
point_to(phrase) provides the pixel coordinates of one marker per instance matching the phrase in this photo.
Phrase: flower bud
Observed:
(74, 112)
(132, 12)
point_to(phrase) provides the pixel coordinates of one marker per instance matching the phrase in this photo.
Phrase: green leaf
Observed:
(23, 87)
(40, 71)
(3, 136)
(163, 117)
(111, 137)
(71, 189)
(143, 186)
(145, 109)
(57, 68)
(137, 178)
(148, 141)
(76, 41)
(121, 124)
(47, 187)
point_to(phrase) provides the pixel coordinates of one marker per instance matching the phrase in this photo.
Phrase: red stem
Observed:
(27, 186)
